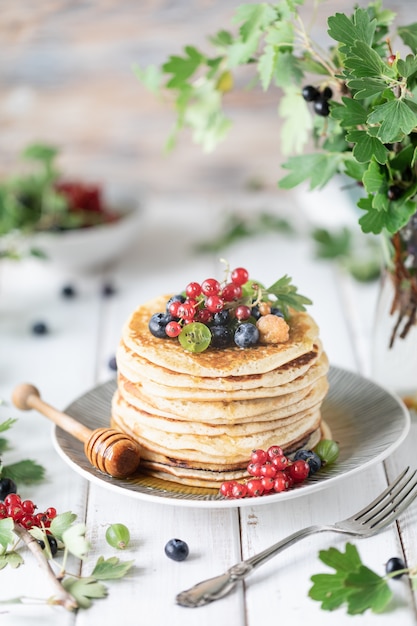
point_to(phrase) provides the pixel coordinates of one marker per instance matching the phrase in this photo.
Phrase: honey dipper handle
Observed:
(26, 397)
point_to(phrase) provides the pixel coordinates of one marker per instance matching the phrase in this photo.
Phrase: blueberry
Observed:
(394, 564)
(113, 363)
(277, 311)
(255, 313)
(176, 549)
(221, 318)
(246, 335)
(312, 459)
(7, 485)
(68, 291)
(221, 336)
(177, 298)
(157, 324)
(40, 328)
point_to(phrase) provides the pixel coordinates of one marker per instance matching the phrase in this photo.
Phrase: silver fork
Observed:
(377, 515)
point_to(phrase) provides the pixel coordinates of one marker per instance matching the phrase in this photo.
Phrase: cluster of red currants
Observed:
(204, 300)
(23, 512)
(272, 472)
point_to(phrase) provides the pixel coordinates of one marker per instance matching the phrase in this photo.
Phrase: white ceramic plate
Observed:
(367, 421)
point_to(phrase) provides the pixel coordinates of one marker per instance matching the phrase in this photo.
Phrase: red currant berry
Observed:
(290, 479)
(239, 276)
(268, 470)
(173, 308)
(210, 287)
(12, 498)
(281, 482)
(226, 488)
(231, 292)
(254, 469)
(214, 304)
(15, 511)
(268, 482)
(204, 316)
(186, 311)
(280, 462)
(239, 490)
(391, 59)
(173, 329)
(255, 487)
(259, 456)
(242, 312)
(27, 521)
(3, 510)
(299, 470)
(193, 290)
(274, 451)
(28, 506)
(51, 512)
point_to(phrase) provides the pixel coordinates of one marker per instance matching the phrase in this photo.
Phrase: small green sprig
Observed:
(352, 584)
(26, 471)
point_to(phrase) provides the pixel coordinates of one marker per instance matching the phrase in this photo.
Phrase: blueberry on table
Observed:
(113, 363)
(40, 328)
(108, 290)
(68, 291)
(176, 549)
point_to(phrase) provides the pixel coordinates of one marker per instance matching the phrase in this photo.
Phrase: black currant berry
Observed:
(394, 192)
(326, 94)
(310, 93)
(7, 486)
(68, 291)
(108, 290)
(321, 107)
(394, 564)
(53, 544)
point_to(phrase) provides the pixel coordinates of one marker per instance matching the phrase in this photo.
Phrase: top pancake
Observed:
(233, 361)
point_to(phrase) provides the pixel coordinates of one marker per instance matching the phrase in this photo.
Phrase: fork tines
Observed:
(389, 504)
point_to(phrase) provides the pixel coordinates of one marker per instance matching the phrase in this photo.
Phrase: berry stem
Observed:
(63, 598)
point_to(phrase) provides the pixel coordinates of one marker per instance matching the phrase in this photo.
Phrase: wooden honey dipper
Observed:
(109, 450)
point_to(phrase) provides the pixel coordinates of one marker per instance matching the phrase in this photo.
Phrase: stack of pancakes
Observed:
(198, 416)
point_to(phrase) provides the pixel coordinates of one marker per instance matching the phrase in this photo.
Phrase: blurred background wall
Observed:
(66, 78)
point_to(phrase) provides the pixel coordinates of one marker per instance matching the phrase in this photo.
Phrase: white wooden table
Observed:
(73, 358)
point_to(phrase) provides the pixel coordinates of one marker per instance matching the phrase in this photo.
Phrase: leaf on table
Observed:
(61, 523)
(111, 569)
(24, 472)
(367, 590)
(84, 590)
(13, 558)
(75, 541)
(6, 532)
(7, 424)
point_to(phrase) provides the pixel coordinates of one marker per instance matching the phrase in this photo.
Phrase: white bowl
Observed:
(89, 248)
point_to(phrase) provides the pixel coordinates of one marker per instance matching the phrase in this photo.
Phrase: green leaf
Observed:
(287, 296)
(346, 561)
(182, 68)
(151, 77)
(6, 532)
(367, 590)
(367, 147)
(61, 523)
(329, 589)
(26, 472)
(392, 219)
(365, 62)
(75, 541)
(40, 152)
(4, 445)
(266, 65)
(408, 66)
(396, 119)
(7, 424)
(373, 178)
(111, 569)
(318, 168)
(13, 558)
(255, 17)
(351, 113)
(84, 590)
(297, 123)
(348, 31)
(332, 245)
(409, 36)
(366, 87)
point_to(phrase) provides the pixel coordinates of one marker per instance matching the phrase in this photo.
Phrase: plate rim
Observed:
(175, 499)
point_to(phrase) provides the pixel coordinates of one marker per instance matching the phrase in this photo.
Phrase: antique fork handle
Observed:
(215, 588)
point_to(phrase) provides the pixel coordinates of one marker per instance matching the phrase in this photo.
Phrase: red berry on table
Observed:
(173, 329)
(51, 512)
(268, 470)
(28, 506)
(210, 287)
(226, 488)
(268, 482)
(239, 276)
(281, 482)
(280, 462)
(214, 304)
(254, 469)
